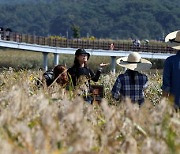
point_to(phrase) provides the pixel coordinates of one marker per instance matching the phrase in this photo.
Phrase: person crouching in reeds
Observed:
(132, 83)
(59, 76)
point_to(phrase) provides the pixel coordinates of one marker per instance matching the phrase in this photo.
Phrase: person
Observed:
(1, 33)
(81, 74)
(61, 75)
(132, 83)
(57, 75)
(146, 42)
(137, 43)
(8, 34)
(171, 71)
(111, 47)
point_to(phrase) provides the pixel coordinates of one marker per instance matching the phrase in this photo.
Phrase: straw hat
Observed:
(134, 62)
(173, 40)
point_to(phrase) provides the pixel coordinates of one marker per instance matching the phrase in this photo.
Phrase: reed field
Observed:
(52, 121)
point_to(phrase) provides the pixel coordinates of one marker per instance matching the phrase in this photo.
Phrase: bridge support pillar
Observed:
(113, 64)
(45, 61)
(56, 59)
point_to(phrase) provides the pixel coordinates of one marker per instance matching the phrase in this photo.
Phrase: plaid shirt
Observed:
(123, 87)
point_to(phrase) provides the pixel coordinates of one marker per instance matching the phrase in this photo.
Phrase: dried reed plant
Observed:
(44, 121)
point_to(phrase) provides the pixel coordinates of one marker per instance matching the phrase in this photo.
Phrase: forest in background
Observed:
(114, 19)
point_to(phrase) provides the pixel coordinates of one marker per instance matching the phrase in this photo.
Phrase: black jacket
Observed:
(76, 72)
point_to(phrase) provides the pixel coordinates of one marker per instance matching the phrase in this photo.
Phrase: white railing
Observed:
(58, 50)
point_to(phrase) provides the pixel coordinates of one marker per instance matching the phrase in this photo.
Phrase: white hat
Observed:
(173, 39)
(134, 62)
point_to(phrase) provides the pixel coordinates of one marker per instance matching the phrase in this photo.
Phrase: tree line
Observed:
(115, 19)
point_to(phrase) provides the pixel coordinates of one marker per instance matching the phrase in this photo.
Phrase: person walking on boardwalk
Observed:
(132, 83)
(171, 72)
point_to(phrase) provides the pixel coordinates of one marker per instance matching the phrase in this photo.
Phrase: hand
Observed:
(165, 94)
(102, 64)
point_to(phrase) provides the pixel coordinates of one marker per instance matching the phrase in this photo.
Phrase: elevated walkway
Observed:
(97, 48)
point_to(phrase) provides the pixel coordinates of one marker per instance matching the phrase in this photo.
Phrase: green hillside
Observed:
(116, 19)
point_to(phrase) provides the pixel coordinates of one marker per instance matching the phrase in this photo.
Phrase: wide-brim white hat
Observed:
(134, 62)
(173, 39)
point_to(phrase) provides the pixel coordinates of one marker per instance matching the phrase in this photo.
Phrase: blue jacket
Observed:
(171, 77)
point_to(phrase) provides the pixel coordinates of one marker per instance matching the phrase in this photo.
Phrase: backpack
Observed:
(49, 77)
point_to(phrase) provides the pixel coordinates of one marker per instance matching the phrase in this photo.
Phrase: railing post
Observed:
(45, 61)
(56, 59)
(113, 64)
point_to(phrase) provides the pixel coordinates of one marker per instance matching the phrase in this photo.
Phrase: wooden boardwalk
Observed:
(59, 46)
(86, 44)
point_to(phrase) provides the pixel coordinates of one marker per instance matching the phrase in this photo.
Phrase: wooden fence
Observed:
(87, 44)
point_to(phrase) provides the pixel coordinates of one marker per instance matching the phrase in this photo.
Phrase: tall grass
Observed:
(44, 121)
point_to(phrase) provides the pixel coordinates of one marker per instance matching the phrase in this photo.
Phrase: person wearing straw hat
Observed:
(171, 72)
(132, 83)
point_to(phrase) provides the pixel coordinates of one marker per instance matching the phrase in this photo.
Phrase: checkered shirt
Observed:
(123, 87)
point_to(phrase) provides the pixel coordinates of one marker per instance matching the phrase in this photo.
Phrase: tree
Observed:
(76, 31)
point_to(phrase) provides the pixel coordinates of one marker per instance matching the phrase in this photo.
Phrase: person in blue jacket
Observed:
(171, 72)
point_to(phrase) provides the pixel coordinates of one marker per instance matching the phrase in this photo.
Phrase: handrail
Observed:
(80, 43)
